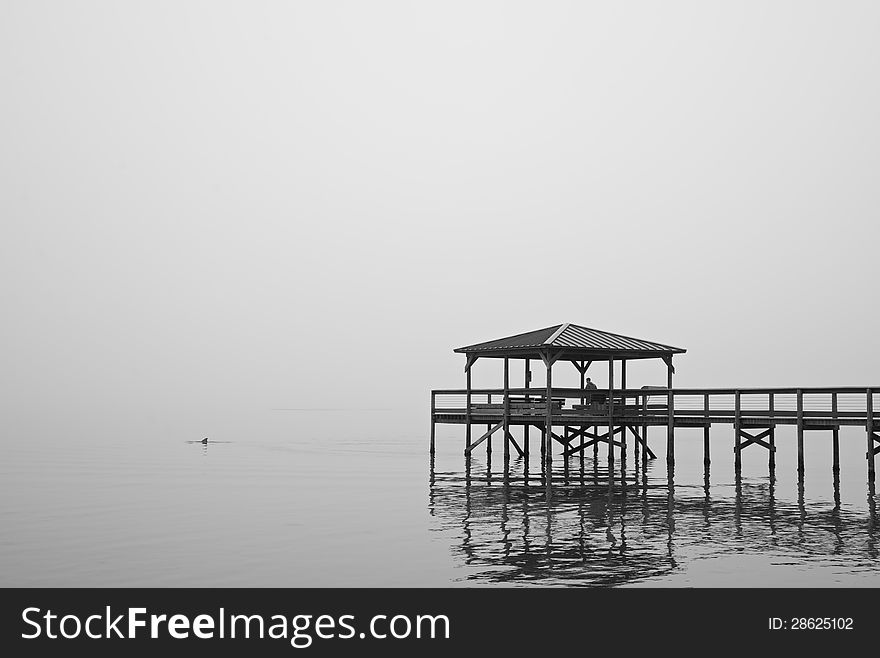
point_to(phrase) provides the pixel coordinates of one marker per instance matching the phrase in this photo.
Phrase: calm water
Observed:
(297, 500)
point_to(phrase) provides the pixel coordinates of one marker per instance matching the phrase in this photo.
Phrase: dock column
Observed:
(800, 431)
(644, 435)
(489, 440)
(871, 437)
(610, 414)
(506, 418)
(433, 409)
(623, 412)
(548, 425)
(737, 419)
(583, 370)
(706, 459)
(772, 458)
(835, 436)
(527, 377)
(467, 410)
(670, 404)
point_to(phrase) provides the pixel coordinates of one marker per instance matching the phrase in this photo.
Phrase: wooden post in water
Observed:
(488, 428)
(737, 462)
(835, 436)
(433, 409)
(706, 459)
(623, 412)
(800, 430)
(644, 435)
(467, 411)
(772, 437)
(548, 424)
(670, 413)
(583, 370)
(506, 417)
(610, 414)
(871, 450)
(527, 375)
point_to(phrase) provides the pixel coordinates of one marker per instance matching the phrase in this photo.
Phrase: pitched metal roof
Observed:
(573, 337)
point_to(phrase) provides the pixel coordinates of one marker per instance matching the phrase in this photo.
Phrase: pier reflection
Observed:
(597, 530)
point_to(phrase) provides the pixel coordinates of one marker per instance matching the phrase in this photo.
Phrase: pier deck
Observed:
(577, 414)
(578, 418)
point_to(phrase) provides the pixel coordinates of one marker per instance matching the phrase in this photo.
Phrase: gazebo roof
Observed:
(573, 341)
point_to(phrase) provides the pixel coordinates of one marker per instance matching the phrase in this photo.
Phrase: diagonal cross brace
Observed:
(577, 449)
(875, 449)
(492, 431)
(755, 438)
(644, 443)
(596, 439)
(518, 449)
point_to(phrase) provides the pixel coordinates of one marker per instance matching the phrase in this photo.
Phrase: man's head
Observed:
(589, 380)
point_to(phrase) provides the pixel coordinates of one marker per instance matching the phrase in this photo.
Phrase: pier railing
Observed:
(848, 405)
(753, 412)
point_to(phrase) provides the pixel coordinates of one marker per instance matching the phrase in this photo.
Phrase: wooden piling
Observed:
(489, 427)
(506, 416)
(800, 430)
(611, 414)
(737, 420)
(771, 460)
(548, 422)
(706, 459)
(623, 411)
(835, 436)
(645, 435)
(870, 427)
(433, 424)
(467, 410)
(528, 380)
(670, 410)
(583, 370)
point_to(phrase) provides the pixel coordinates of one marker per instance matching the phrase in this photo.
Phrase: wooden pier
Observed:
(578, 419)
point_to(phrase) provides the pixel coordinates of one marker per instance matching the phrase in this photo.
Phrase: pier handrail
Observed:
(844, 401)
(662, 390)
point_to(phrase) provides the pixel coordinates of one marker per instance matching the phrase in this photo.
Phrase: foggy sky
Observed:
(219, 206)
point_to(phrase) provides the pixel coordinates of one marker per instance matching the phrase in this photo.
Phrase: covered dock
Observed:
(576, 419)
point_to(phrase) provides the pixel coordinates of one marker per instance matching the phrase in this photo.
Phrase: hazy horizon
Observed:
(213, 209)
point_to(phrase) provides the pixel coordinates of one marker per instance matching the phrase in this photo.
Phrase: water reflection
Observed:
(601, 529)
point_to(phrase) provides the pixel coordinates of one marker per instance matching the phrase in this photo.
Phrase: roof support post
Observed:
(623, 412)
(548, 423)
(527, 376)
(467, 410)
(610, 415)
(583, 372)
(506, 418)
(670, 410)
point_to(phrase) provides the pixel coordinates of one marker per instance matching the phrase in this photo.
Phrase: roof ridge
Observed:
(557, 333)
(641, 340)
(523, 333)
